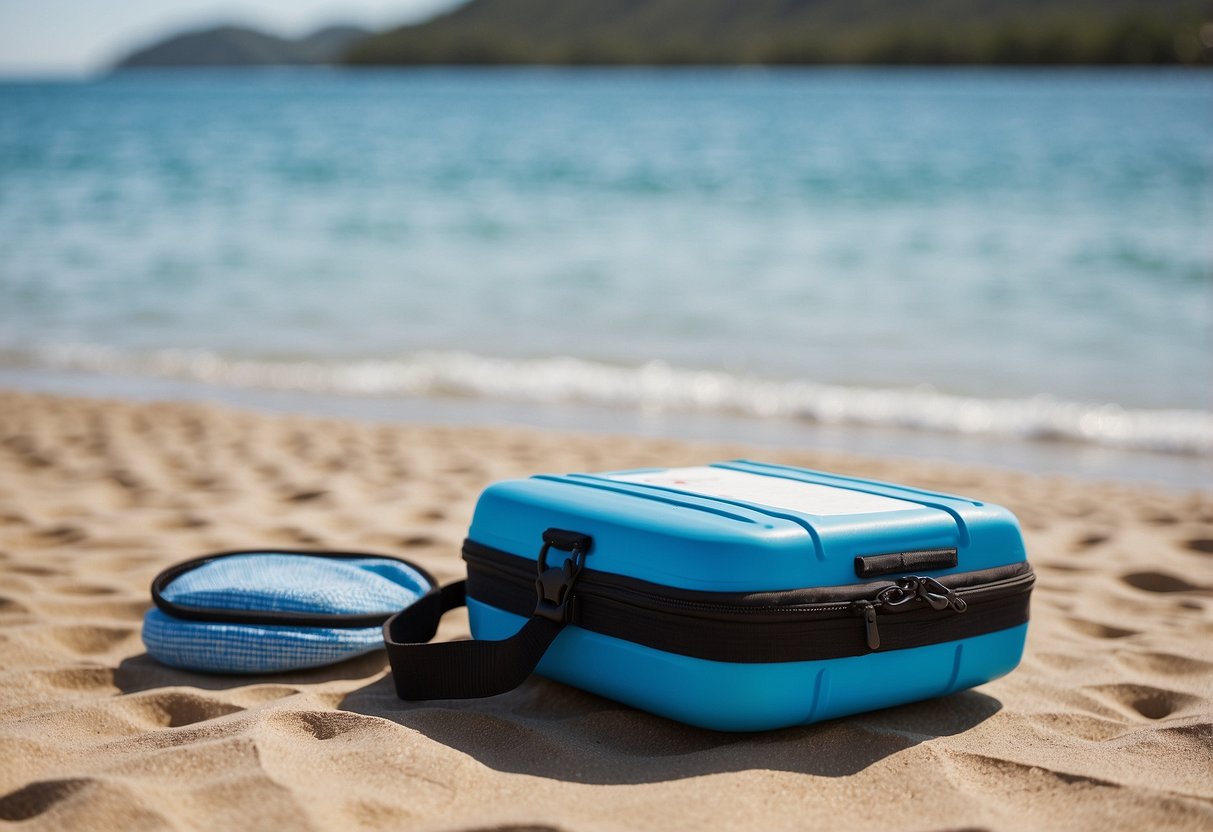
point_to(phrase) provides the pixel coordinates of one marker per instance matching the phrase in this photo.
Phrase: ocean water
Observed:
(1004, 255)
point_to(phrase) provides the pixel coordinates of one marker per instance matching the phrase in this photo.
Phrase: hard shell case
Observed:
(744, 596)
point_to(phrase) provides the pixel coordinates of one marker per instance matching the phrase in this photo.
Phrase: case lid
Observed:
(794, 495)
(746, 526)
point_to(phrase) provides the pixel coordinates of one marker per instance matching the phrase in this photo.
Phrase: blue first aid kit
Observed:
(736, 596)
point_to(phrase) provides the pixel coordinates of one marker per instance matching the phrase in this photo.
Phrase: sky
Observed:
(75, 37)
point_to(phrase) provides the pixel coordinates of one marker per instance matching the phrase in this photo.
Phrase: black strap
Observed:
(476, 668)
(459, 669)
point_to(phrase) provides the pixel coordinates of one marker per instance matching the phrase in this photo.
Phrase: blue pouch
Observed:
(268, 611)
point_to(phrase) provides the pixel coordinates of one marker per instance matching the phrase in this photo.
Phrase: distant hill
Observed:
(800, 32)
(239, 46)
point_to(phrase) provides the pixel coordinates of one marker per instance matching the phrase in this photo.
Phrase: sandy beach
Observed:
(1107, 724)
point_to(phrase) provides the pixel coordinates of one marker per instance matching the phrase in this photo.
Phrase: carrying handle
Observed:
(476, 668)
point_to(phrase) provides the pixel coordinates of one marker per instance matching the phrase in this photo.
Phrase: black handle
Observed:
(476, 668)
(459, 669)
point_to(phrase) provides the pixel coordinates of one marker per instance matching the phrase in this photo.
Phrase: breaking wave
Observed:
(657, 386)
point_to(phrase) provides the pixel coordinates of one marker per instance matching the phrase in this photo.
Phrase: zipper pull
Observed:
(868, 611)
(939, 596)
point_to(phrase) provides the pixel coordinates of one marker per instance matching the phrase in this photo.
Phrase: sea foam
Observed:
(656, 386)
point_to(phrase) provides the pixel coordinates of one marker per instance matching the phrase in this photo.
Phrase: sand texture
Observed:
(1107, 724)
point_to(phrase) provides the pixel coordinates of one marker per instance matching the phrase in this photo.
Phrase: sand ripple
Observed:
(1108, 724)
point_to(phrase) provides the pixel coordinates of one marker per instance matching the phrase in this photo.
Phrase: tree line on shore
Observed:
(723, 32)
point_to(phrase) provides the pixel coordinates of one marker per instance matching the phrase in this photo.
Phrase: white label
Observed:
(801, 497)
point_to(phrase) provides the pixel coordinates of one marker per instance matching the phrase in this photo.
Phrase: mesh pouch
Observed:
(270, 611)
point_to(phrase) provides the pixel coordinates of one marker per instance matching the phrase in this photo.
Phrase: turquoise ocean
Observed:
(1017, 262)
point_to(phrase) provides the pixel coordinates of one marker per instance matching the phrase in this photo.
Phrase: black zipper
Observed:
(774, 625)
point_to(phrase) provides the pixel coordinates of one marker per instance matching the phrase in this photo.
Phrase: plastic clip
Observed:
(554, 584)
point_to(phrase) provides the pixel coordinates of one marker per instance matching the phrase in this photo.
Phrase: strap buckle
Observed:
(554, 583)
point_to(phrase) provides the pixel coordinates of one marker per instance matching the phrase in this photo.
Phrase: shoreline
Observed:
(1030, 456)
